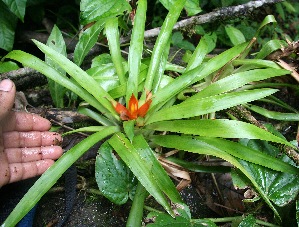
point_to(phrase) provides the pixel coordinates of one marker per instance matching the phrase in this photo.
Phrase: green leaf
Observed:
(178, 40)
(160, 175)
(274, 115)
(8, 66)
(114, 179)
(235, 35)
(136, 49)
(237, 80)
(281, 188)
(248, 221)
(268, 19)
(193, 76)
(94, 115)
(56, 42)
(251, 155)
(92, 10)
(129, 128)
(81, 77)
(192, 7)
(197, 107)
(112, 34)
(86, 129)
(183, 219)
(87, 40)
(8, 23)
(17, 7)
(270, 47)
(142, 169)
(161, 42)
(49, 178)
(37, 64)
(217, 128)
(194, 145)
(206, 44)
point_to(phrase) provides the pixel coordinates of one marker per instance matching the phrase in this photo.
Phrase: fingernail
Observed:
(6, 85)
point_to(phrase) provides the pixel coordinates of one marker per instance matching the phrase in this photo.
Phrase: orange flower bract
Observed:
(133, 111)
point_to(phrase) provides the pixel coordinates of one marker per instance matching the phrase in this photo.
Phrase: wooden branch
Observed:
(220, 14)
(25, 78)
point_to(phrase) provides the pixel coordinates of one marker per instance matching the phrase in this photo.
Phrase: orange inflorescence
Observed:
(133, 111)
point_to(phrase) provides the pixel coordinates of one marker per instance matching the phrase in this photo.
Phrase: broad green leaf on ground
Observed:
(222, 128)
(92, 10)
(56, 42)
(281, 188)
(17, 7)
(194, 145)
(50, 177)
(197, 107)
(248, 221)
(142, 169)
(235, 35)
(87, 40)
(8, 23)
(114, 178)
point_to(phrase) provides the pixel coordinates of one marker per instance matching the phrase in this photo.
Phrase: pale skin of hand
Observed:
(27, 148)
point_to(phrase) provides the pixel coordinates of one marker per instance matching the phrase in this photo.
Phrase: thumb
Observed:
(7, 97)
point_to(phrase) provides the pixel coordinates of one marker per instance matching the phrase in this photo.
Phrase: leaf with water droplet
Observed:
(115, 180)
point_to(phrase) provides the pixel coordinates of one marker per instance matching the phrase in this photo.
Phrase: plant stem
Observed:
(136, 211)
(230, 219)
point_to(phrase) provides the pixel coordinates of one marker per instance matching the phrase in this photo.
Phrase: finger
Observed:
(7, 97)
(30, 139)
(21, 155)
(4, 170)
(22, 121)
(22, 171)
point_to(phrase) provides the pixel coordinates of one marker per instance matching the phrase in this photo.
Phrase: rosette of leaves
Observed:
(206, 86)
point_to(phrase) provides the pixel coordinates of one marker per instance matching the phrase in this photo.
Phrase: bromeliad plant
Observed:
(138, 109)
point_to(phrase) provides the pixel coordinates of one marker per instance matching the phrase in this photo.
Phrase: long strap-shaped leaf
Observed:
(238, 80)
(82, 78)
(135, 50)
(222, 128)
(49, 178)
(197, 107)
(143, 169)
(112, 34)
(194, 75)
(39, 65)
(161, 42)
(190, 144)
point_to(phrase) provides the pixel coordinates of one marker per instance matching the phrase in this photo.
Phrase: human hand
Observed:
(27, 149)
